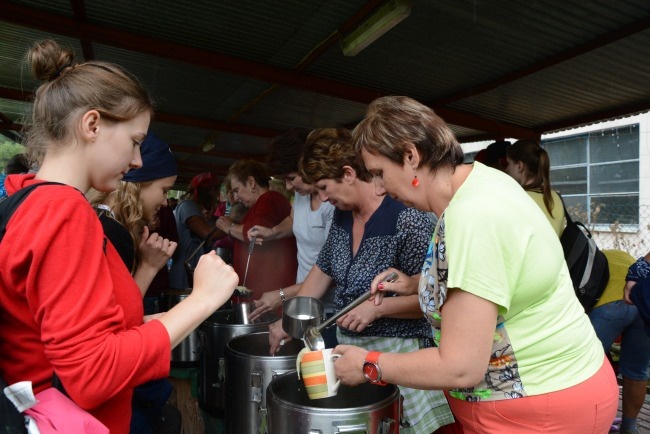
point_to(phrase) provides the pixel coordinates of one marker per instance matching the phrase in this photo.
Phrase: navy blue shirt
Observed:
(394, 236)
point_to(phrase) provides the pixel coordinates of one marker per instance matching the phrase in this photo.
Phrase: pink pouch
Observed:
(55, 413)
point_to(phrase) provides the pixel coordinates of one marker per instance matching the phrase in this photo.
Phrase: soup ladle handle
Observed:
(357, 301)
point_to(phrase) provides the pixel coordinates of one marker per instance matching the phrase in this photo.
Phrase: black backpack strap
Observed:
(10, 204)
(566, 213)
(569, 220)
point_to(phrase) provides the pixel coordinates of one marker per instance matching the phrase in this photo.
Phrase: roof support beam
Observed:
(208, 124)
(572, 53)
(192, 150)
(212, 124)
(53, 23)
(79, 11)
(590, 118)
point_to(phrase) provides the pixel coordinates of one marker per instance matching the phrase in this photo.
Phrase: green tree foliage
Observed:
(8, 148)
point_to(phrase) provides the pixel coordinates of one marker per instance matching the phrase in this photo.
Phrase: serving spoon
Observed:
(313, 338)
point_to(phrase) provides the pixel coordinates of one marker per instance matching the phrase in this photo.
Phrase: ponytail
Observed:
(537, 169)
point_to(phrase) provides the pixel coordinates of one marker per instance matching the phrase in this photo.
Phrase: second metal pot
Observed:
(216, 332)
(249, 370)
(187, 353)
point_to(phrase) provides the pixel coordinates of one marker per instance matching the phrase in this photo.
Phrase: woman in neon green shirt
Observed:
(514, 348)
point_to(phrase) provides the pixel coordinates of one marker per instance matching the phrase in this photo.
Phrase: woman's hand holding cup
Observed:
(318, 374)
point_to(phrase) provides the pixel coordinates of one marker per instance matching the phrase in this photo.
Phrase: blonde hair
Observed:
(70, 89)
(127, 210)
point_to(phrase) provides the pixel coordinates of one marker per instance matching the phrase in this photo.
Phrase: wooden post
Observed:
(186, 402)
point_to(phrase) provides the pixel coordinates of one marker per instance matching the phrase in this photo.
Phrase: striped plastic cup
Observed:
(317, 369)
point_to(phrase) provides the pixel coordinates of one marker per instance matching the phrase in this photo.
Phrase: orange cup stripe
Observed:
(315, 380)
(312, 356)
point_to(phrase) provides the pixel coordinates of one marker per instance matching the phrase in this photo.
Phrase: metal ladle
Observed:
(251, 246)
(313, 338)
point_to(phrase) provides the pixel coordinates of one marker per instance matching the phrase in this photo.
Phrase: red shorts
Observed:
(586, 408)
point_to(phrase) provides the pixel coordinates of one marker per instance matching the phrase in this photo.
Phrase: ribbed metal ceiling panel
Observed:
(483, 65)
(181, 87)
(287, 108)
(615, 79)
(279, 33)
(449, 46)
(16, 40)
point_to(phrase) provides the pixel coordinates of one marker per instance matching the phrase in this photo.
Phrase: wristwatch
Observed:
(282, 297)
(371, 369)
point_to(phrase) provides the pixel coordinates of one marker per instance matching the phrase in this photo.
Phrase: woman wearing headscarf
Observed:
(127, 215)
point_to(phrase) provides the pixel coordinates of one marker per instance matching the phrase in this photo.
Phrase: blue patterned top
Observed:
(394, 236)
(3, 191)
(639, 270)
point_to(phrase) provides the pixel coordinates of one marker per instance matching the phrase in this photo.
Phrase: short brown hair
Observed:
(242, 169)
(393, 121)
(284, 151)
(326, 152)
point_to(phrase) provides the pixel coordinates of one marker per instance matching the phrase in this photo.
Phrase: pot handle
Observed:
(257, 381)
(387, 426)
(199, 343)
(359, 428)
(280, 372)
(221, 372)
(403, 423)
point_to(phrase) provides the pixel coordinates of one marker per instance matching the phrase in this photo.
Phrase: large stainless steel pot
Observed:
(363, 409)
(187, 353)
(249, 370)
(215, 333)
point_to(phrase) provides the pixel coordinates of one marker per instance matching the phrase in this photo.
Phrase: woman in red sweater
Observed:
(272, 265)
(67, 303)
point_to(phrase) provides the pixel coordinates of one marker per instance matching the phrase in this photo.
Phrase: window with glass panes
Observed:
(597, 174)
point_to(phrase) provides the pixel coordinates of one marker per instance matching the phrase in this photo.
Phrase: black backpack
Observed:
(11, 421)
(588, 266)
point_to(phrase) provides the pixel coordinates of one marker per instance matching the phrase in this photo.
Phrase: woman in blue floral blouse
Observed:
(369, 234)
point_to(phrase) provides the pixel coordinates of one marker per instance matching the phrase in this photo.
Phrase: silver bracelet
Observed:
(281, 294)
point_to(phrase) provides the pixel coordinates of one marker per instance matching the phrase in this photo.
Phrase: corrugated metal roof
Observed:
(239, 72)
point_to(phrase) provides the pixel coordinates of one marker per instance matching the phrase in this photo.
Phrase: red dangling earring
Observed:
(416, 182)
